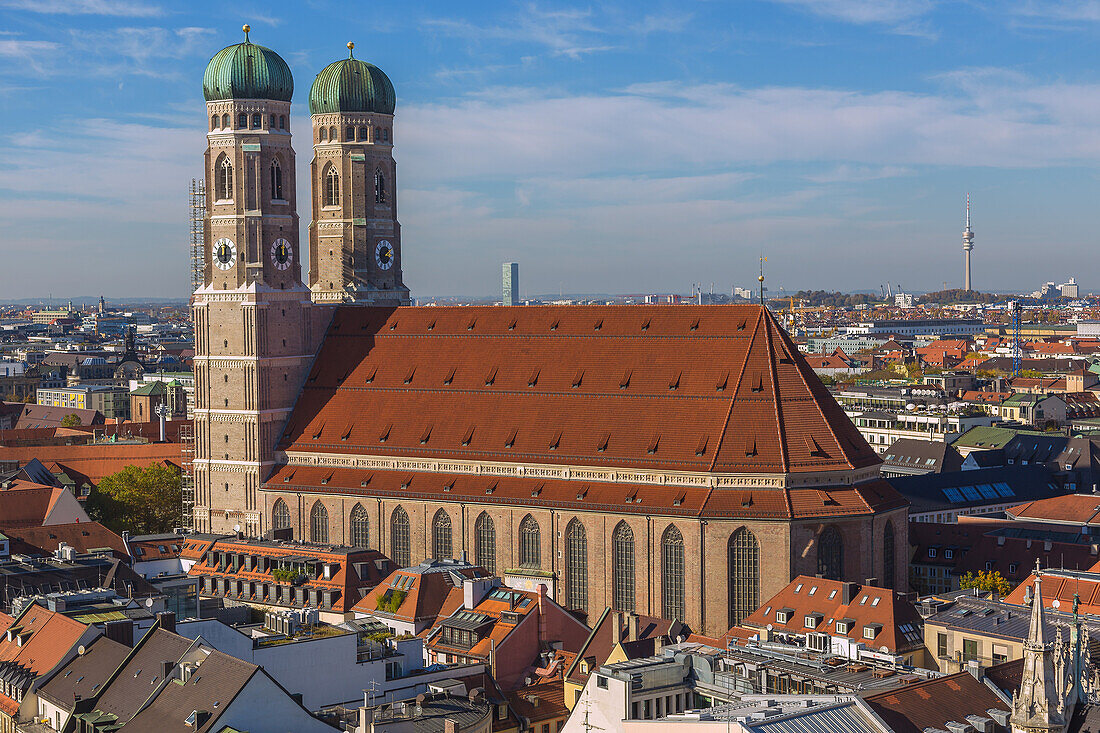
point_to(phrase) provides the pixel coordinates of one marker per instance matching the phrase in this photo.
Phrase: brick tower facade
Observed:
(354, 237)
(253, 318)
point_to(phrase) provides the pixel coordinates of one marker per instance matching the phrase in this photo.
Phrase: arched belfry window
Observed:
(672, 574)
(276, 180)
(379, 188)
(530, 541)
(485, 543)
(888, 555)
(399, 538)
(622, 567)
(359, 527)
(576, 566)
(318, 523)
(332, 134)
(280, 515)
(830, 554)
(223, 173)
(322, 135)
(363, 134)
(331, 186)
(282, 122)
(214, 122)
(225, 120)
(242, 120)
(257, 121)
(442, 544)
(744, 575)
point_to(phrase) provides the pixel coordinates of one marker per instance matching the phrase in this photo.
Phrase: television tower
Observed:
(968, 244)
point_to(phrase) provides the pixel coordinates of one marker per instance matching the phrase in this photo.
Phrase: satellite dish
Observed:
(80, 650)
(236, 528)
(769, 627)
(148, 602)
(884, 649)
(1056, 604)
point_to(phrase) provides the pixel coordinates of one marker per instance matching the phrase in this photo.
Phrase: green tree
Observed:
(141, 500)
(72, 420)
(987, 580)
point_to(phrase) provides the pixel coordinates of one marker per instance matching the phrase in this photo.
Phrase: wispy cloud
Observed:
(118, 8)
(906, 17)
(136, 50)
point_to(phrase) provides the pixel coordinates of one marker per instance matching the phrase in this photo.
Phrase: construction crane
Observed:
(1013, 309)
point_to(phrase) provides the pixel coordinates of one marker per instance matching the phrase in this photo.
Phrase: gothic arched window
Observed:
(280, 515)
(622, 568)
(223, 173)
(282, 122)
(672, 574)
(399, 538)
(830, 554)
(576, 566)
(332, 186)
(276, 180)
(359, 527)
(272, 122)
(332, 134)
(363, 133)
(442, 545)
(744, 575)
(214, 122)
(242, 120)
(530, 541)
(318, 523)
(888, 555)
(378, 134)
(225, 121)
(257, 121)
(379, 188)
(485, 543)
(322, 135)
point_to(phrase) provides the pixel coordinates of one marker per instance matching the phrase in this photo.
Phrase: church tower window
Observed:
(280, 515)
(888, 555)
(672, 574)
(214, 122)
(442, 545)
(622, 564)
(530, 540)
(399, 538)
(257, 121)
(225, 121)
(363, 133)
(744, 575)
(276, 180)
(830, 554)
(318, 523)
(576, 566)
(224, 173)
(332, 186)
(485, 543)
(242, 120)
(360, 527)
(379, 188)
(322, 135)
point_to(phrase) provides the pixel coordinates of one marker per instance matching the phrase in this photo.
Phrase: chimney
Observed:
(974, 667)
(632, 627)
(451, 726)
(167, 620)
(616, 627)
(847, 592)
(166, 668)
(871, 582)
(121, 631)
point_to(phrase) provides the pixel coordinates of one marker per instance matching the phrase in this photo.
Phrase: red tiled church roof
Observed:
(705, 388)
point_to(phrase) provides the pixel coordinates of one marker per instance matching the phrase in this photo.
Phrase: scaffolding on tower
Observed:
(1014, 309)
(187, 475)
(197, 218)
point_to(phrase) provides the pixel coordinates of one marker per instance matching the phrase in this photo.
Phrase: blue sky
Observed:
(612, 147)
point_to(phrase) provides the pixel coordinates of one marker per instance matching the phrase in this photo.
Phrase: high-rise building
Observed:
(968, 245)
(510, 282)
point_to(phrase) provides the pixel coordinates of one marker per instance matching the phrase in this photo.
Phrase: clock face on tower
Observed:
(282, 254)
(225, 253)
(383, 255)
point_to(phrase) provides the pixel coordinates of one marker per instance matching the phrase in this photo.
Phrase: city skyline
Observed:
(606, 149)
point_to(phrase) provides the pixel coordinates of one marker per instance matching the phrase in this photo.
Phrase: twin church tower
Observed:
(257, 325)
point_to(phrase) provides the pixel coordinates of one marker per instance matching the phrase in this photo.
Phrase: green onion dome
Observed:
(247, 71)
(351, 85)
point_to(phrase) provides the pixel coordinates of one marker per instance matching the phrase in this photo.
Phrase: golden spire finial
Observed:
(246, 28)
(351, 49)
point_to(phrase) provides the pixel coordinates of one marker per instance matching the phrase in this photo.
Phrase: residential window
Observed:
(672, 574)
(576, 566)
(601, 682)
(485, 543)
(530, 539)
(622, 564)
(442, 547)
(970, 649)
(318, 523)
(360, 527)
(743, 553)
(399, 538)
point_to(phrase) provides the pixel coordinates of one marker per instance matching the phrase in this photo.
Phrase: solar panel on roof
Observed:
(970, 493)
(952, 495)
(1004, 489)
(988, 491)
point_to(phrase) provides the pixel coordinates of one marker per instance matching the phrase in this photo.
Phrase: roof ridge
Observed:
(780, 426)
(733, 398)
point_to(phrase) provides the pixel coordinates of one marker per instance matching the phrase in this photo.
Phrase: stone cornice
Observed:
(582, 473)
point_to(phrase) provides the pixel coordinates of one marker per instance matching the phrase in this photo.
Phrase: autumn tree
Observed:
(141, 500)
(987, 580)
(72, 420)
